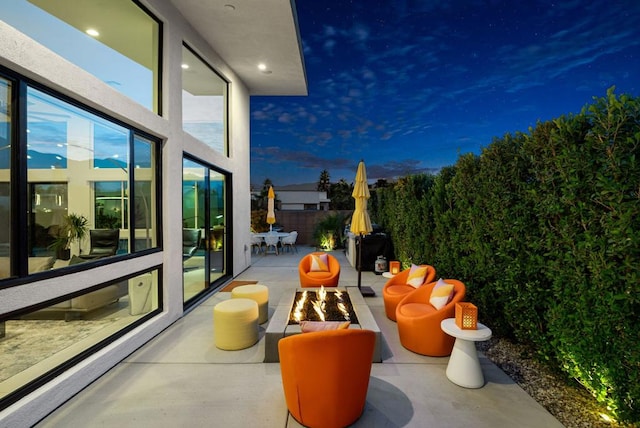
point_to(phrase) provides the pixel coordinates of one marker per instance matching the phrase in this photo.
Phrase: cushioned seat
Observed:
(397, 288)
(257, 292)
(325, 375)
(316, 273)
(419, 321)
(235, 324)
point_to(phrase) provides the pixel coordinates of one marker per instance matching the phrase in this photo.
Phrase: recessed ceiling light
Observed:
(92, 32)
(262, 66)
(185, 66)
(229, 7)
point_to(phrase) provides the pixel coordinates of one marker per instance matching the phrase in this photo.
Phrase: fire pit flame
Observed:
(343, 309)
(322, 294)
(297, 311)
(317, 306)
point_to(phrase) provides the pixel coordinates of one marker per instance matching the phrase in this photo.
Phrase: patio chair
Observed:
(290, 241)
(104, 243)
(397, 288)
(325, 375)
(323, 270)
(271, 240)
(190, 242)
(419, 322)
(256, 242)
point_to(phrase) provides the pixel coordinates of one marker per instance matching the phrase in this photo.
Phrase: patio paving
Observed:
(181, 379)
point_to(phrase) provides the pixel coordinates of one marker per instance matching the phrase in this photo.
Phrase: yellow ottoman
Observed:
(235, 324)
(257, 292)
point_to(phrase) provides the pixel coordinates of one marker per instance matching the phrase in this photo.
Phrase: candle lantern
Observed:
(394, 267)
(466, 316)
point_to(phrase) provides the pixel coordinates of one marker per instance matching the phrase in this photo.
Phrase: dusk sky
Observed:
(408, 86)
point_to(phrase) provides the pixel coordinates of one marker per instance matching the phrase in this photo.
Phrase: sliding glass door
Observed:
(204, 232)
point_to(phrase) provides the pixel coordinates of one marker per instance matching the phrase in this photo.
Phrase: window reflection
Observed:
(204, 102)
(131, 68)
(36, 343)
(204, 231)
(79, 169)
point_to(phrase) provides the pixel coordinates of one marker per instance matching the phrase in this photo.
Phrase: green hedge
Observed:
(544, 229)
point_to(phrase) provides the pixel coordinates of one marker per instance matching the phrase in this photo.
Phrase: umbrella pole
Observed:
(359, 261)
(365, 291)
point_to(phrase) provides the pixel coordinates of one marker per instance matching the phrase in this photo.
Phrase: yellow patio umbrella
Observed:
(360, 221)
(271, 213)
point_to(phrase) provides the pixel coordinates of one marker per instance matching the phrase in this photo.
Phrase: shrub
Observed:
(544, 230)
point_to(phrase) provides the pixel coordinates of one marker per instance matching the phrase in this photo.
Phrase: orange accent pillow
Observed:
(319, 263)
(309, 326)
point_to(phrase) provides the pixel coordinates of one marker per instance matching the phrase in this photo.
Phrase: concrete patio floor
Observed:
(180, 379)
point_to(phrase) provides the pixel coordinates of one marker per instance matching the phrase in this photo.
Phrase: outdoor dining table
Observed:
(279, 235)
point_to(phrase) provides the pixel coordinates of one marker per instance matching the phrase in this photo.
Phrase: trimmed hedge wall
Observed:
(544, 229)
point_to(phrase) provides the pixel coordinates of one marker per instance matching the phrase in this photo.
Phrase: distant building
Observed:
(302, 197)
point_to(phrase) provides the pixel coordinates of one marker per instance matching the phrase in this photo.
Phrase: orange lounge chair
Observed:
(325, 375)
(397, 288)
(316, 279)
(419, 322)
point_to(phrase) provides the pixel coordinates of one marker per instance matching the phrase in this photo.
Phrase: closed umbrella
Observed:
(360, 221)
(271, 213)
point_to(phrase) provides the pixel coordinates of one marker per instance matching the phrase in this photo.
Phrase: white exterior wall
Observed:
(32, 60)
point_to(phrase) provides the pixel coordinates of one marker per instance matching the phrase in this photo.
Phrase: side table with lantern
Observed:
(464, 367)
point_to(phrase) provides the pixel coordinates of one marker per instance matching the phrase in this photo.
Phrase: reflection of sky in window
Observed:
(142, 153)
(5, 152)
(46, 145)
(203, 118)
(123, 74)
(51, 122)
(111, 146)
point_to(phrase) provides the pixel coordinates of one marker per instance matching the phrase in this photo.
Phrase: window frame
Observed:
(19, 184)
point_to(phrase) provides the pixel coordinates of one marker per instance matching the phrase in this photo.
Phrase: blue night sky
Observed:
(410, 85)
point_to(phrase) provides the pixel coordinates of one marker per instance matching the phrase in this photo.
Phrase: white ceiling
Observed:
(248, 32)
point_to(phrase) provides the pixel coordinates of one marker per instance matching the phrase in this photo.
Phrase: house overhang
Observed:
(246, 34)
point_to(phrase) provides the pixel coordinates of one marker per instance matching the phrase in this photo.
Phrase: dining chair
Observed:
(290, 241)
(256, 242)
(271, 240)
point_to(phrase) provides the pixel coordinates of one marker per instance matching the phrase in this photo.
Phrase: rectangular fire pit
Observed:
(280, 326)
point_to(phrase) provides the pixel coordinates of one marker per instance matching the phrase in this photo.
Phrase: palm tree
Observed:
(324, 182)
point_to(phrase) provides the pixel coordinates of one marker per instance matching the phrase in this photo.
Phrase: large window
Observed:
(204, 102)
(114, 40)
(204, 233)
(39, 343)
(5, 170)
(90, 188)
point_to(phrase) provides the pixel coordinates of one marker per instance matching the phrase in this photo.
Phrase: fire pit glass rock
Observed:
(322, 305)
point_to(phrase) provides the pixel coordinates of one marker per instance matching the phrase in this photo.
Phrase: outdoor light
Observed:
(394, 267)
(92, 32)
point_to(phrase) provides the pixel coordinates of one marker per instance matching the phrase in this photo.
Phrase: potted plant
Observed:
(73, 229)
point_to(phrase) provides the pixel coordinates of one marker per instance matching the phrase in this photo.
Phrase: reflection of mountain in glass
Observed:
(212, 134)
(39, 160)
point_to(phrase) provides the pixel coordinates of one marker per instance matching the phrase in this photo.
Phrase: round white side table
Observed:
(464, 368)
(387, 274)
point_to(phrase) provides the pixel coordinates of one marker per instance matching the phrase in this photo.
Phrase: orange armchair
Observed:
(419, 322)
(325, 375)
(316, 279)
(396, 288)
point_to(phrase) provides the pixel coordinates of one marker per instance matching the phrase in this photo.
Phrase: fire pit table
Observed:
(283, 322)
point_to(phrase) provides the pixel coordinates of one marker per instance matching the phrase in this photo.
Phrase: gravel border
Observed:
(571, 404)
